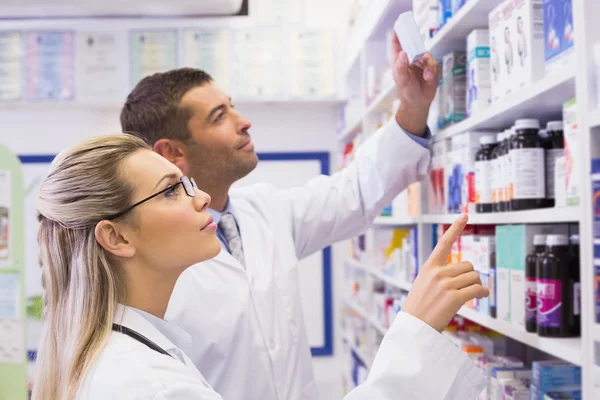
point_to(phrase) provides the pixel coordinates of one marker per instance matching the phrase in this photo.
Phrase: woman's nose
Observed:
(201, 200)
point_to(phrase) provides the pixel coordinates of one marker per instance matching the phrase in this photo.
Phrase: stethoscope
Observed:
(140, 338)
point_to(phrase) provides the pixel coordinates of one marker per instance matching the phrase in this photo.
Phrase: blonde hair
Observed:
(82, 286)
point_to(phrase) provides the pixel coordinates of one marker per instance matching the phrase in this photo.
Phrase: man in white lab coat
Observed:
(243, 308)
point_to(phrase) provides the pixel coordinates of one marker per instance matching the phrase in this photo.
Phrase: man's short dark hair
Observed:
(153, 109)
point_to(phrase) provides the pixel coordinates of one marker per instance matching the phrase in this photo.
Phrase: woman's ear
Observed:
(111, 238)
(174, 151)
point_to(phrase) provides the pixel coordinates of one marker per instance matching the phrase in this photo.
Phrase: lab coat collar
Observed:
(217, 214)
(166, 335)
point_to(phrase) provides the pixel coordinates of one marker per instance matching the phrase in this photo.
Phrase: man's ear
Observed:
(111, 237)
(174, 151)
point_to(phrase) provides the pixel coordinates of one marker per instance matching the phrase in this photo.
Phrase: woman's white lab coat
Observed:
(129, 370)
(413, 362)
(246, 322)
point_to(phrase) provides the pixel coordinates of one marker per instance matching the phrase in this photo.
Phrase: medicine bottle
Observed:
(531, 261)
(509, 169)
(528, 160)
(576, 284)
(555, 147)
(496, 172)
(555, 311)
(483, 174)
(503, 157)
(493, 284)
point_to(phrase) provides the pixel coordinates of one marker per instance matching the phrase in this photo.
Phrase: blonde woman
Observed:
(119, 224)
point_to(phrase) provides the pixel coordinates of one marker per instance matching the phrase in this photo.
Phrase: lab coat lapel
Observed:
(256, 240)
(227, 260)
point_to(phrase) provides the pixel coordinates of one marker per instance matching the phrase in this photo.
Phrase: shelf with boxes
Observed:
(539, 216)
(366, 316)
(541, 100)
(399, 220)
(518, 64)
(568, 349)
(456, 27)
(376, 15)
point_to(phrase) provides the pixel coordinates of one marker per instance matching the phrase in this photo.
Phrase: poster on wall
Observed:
(49, 65)
(33, 174)
(5, 209)
(100, 74)
(11, 345)
(209, 50)
(11, 66)
(258, 63)
(312, 63)
(151, 52)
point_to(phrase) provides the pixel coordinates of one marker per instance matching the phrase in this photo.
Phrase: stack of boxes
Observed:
(426, 16)
(558, 33)
(453, 89)
(479, 84)
(394, 252)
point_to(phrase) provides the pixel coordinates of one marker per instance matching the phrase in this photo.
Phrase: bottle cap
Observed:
(554, 126)
(539, 240)
(557, 240)
(527, 124)
(574, 239)
(488, 139)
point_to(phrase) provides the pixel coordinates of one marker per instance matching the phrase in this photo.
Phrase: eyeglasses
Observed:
(189, 185)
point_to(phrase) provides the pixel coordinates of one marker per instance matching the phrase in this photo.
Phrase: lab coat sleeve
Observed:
(415, 362)
(333, 208)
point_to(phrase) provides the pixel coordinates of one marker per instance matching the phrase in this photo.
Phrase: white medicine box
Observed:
(500, 60)
(558, 33)
(479, 88)
(524, 30)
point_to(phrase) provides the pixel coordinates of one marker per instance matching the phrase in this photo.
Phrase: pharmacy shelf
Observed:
(380, 275)
(358, 351)
(594, 118)
(383, 101)
(377, 17)
(374, 323)
(538, 216)
(543, 100)
(568, 349)
(473, 15)
(352, 130)
(396, 221)
(406, 286)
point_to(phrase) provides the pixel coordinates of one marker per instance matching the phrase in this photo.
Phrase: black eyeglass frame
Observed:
(189, 185)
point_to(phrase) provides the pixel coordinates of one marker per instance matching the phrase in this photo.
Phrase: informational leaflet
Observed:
(12, 345)
(11, 66)
(210, 51)
(151, 52)
(312, 58)
(5, 210)
(10, 284)
(258, 63)
(49, 65)
(100, 74)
